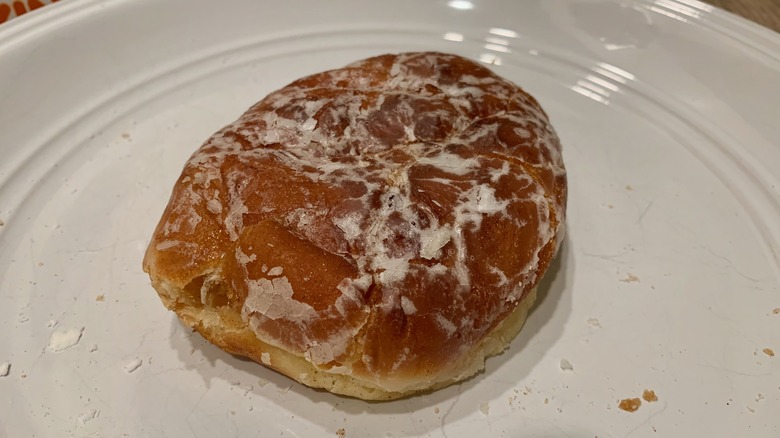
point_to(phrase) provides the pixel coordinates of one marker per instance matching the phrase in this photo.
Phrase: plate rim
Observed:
(739, 29)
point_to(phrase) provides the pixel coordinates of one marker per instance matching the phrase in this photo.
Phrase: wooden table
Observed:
(763, 12)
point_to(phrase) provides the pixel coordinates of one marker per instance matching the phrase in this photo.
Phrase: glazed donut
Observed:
(376, 230)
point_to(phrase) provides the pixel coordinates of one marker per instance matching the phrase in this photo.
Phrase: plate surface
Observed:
(669, 278)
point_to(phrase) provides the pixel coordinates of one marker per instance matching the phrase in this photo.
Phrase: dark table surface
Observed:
(763, 12)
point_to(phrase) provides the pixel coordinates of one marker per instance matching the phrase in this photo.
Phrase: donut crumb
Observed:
(630, 404)
(769, 352)
(649, 395)
(341, 433)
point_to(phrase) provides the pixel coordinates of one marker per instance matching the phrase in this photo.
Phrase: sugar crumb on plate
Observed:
(566, 365)
(64, 339)
(52, 323)
(594, 322)
(649, 395)
(630, 404)
(5, 369)
(88, 416)
(132, 365)
(630, 278)
(484, 408)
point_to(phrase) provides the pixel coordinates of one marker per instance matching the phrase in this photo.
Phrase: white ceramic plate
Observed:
(668, 111)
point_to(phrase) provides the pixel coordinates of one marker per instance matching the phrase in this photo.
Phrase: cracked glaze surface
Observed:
(378, 219)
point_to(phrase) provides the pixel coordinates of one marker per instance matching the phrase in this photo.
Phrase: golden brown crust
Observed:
(371, 226)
